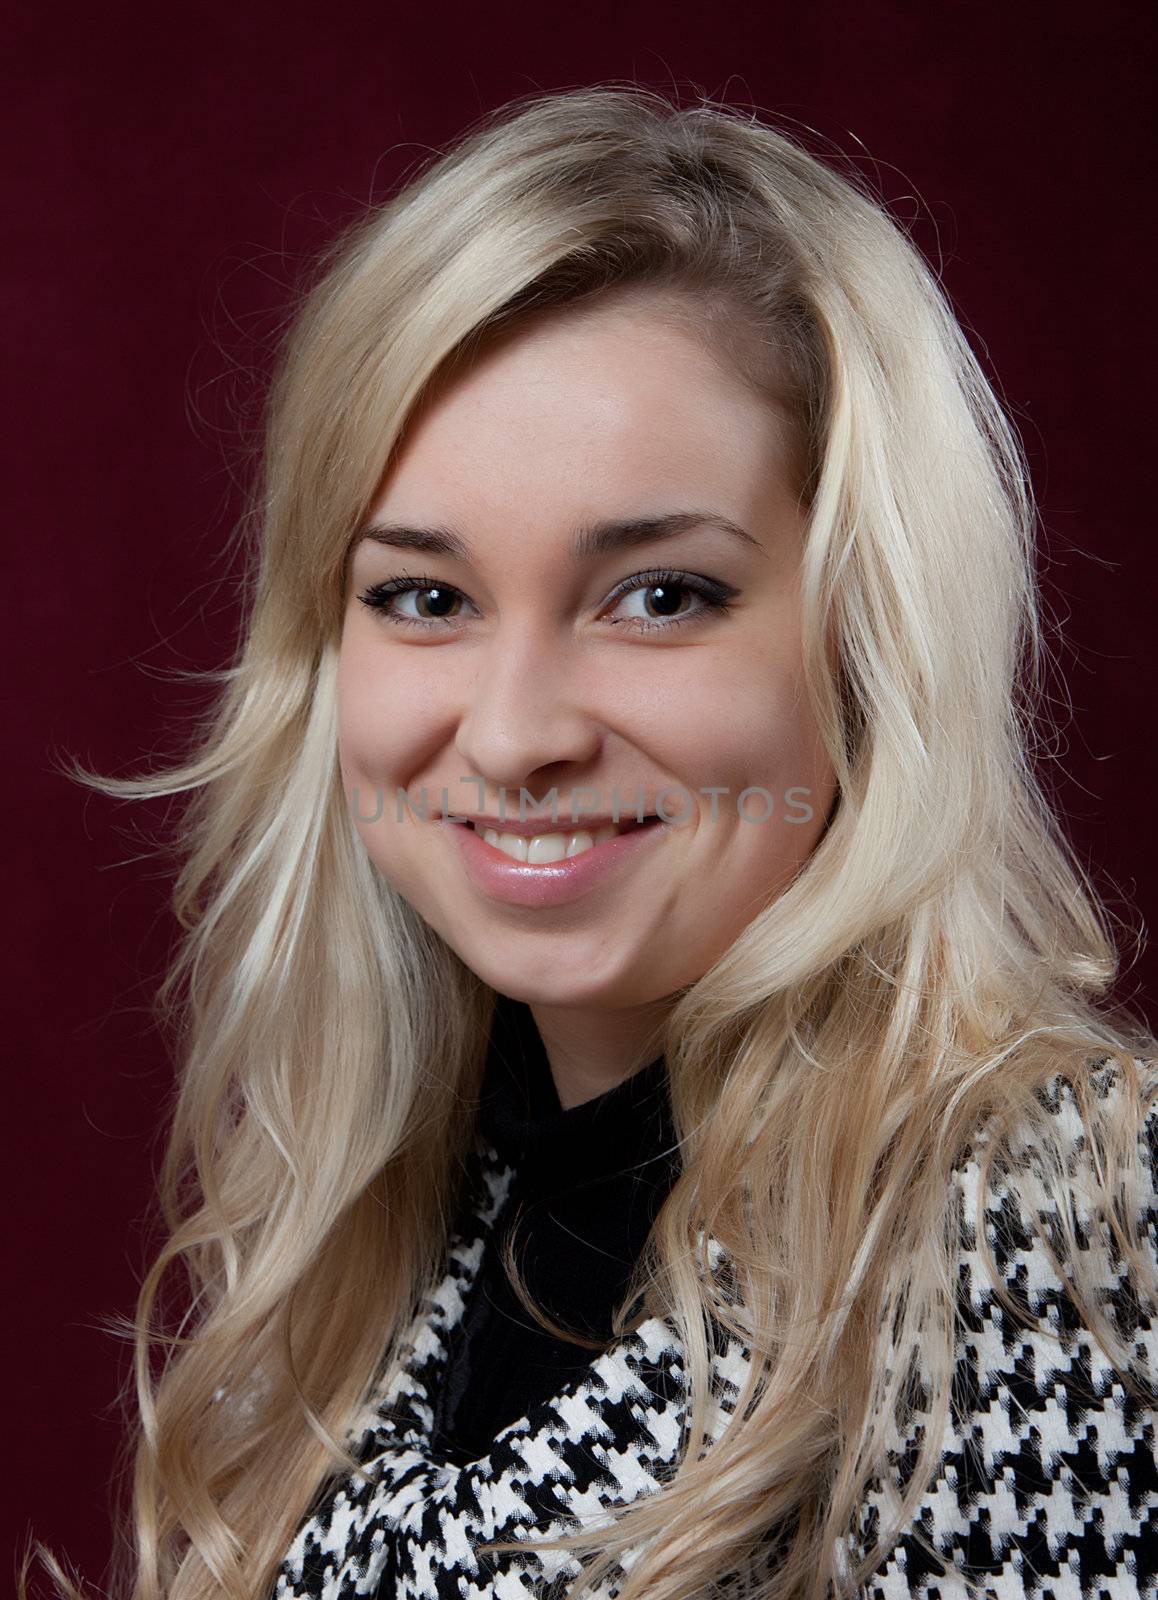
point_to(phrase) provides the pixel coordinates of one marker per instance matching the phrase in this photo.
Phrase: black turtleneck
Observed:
(589, 1182)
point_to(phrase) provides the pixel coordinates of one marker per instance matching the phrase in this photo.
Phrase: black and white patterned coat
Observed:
(1047, 1483)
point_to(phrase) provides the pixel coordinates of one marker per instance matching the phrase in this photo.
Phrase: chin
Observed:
(564, 986)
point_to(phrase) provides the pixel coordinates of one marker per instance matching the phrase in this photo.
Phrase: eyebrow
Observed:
(590, 540)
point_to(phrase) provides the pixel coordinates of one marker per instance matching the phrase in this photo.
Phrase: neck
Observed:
(592, 1051)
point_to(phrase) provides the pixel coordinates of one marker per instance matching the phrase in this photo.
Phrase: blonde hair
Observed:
(940, 954)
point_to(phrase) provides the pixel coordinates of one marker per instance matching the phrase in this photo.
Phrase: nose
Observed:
(525, 711)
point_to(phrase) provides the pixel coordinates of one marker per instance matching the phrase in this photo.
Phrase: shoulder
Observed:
(1047, 1482)
(1018, 1178)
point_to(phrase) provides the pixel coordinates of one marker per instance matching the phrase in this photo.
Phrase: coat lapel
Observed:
(407, 1523)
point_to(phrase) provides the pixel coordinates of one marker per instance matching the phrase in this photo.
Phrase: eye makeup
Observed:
(714, 598)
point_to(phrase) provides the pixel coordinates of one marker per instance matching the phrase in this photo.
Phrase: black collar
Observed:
(521, 1116)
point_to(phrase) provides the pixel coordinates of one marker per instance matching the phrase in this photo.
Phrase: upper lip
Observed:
(541, 825)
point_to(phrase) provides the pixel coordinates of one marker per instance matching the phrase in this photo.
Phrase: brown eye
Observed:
(434, 602)
(670, 599)
(663, 599)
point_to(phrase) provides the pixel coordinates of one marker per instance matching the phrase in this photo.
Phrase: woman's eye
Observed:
(433, 602)
(666, 600)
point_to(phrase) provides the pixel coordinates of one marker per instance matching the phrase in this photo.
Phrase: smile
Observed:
(543, 849)
(549, 869)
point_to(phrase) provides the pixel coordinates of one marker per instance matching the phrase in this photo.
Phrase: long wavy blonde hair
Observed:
(940, 953)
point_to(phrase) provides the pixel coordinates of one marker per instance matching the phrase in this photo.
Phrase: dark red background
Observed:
(168, 171)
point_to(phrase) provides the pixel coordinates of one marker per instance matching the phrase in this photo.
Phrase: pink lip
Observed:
(553, 884)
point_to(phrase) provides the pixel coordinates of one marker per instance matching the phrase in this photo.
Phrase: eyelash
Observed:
(717, 598)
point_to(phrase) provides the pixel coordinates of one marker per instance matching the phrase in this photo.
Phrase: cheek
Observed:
(369, 759)
(744, 720)
(357, 722)
(373, 735)
(380, 715)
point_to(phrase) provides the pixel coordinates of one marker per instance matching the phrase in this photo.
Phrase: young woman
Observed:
(651, 1123)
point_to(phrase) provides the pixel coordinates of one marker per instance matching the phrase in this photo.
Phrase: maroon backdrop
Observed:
(168, 171)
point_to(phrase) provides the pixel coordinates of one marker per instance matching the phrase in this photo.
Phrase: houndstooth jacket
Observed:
(1046, 1486)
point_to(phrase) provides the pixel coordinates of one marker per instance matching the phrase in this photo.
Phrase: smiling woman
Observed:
(549, 652)
(651, 1123)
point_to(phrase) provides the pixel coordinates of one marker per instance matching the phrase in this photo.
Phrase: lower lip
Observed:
(555, 882)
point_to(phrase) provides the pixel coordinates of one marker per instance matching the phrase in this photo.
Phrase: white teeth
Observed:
(543, 848)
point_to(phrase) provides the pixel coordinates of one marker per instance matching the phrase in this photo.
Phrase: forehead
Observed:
(588, 411)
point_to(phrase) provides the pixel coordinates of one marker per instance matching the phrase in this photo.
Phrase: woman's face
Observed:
(587, 582)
